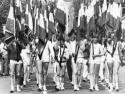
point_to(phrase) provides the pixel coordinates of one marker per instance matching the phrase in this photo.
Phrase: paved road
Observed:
(32, 88)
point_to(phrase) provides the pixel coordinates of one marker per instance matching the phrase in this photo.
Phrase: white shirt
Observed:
(26, 56)
(72, 47)
(48, 51)
(81, 48)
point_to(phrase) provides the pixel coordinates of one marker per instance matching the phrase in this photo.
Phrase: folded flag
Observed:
(10, 24)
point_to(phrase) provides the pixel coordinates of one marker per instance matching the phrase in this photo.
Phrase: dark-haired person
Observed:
(14, 49)
(26, 58)
(43, 59)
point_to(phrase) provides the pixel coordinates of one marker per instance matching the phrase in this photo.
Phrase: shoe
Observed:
(39, 89)
(90, 90)
(28, 80)
(76, 88)
(21, 86)
(18, 89)
(117, 90)
(62, 86)
(24, 84)
(57, 89)
(44, 88)
(44, 92)
(72, 83)
(96, 88)
(12, 91)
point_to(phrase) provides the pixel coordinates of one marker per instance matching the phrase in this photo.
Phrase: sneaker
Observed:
(96, 88)
(44, 92)
(12, 91)
(76, 88)
(91, 88)
(39, 89)
(44, 88)
(72, 83)
(18, 89)
(62, 86)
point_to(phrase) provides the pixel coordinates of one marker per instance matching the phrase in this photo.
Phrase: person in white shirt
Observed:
(81, 61)
(116, 66)
(26, 58)
(45, 51)
(103, 58)
(72, 49)
(95, 60)
(63, 55)
(4, 59)
(109, 61)
(55, 63)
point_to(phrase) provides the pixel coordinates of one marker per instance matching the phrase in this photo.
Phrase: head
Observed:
(95, 40)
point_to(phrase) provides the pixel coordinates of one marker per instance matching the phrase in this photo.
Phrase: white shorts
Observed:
(82, 60)
(26, 61)
(97, 60)
(116, 58)
(15, 62)
(109, 59)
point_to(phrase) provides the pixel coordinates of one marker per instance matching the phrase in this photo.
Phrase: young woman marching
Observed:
(81, 62)
(26, 58)
(15, 64)
(95, 60)
(72, 49)
(62, 59)
(43, 59)
(109, 61)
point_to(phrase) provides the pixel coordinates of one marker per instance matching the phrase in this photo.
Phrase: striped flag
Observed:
(10, 24)
(28, 16)
(18, 7)
(41, 27)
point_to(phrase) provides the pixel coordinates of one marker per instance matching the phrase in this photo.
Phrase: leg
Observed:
(39, 67)
(110, 68)
(97, 67)
(44, 73)
(101, 71)
(12, 75)
(62, 76)
(74, 74)
(79, 74)
(91, 74)
(85, 70)
(18, 75)
(69, 68)
(116, 74)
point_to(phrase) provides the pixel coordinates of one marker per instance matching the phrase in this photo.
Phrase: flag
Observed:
(41, 27)
(10, 24)
(28, 16)
(51, 23)
(9, 37)
(17, 7)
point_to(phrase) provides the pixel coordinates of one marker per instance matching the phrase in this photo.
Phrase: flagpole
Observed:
(14, 18)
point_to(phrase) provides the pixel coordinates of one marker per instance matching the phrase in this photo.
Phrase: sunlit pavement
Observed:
(31, 88)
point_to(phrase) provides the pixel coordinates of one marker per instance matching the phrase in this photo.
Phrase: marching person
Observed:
(95, 60)
(26, 58)
(56, 51)
(81, 62)
(102, 62)
(14, 49)
(4, 59)
(116, 66)
(109, 61)
(63, 55)
(45, 51)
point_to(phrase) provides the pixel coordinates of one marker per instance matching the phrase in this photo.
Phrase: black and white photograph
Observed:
(62, 46)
